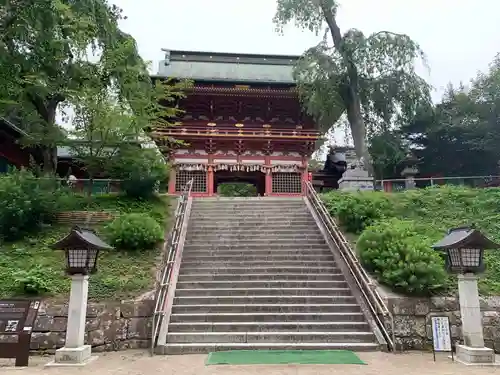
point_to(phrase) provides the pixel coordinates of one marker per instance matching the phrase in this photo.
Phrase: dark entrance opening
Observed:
(257, 179)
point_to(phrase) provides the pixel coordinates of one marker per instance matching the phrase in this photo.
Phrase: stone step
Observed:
(195, 232)
(229, 277)
(187, 348)
(263, 292)
(284, 221)
(248, 236)
(250, 207)
(194, 251)
(258, 203)
(270, 308)
(272, 299)
(252, 212)
(211, 263)
(257, 225)
(268, 317)
(275, 284)
(244, 216)
(271, 242)
(315, 326)
(272, 337)
(325, 258)
(270, 270)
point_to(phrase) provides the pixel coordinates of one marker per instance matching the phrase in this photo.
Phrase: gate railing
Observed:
(374, 301)
(169, 255)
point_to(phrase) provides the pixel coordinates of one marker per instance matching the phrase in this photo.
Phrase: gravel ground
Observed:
(136, 362)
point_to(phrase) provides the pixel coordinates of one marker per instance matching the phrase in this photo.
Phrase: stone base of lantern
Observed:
(80, 356)
(475, 356)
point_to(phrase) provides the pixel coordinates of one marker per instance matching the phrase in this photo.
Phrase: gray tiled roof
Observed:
(227, 67)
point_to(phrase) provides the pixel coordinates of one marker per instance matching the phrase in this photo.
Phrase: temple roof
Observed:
(233, 67)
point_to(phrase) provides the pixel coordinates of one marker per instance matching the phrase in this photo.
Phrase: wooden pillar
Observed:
(269, 177)
(210, 181)
(305, 173)
(171, 180)
(269, 182)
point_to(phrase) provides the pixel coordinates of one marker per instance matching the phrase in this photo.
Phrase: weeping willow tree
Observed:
(369, 78)
(51, 50)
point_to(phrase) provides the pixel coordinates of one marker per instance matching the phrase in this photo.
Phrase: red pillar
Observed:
(268, 177)
(269, 183)
(171, 181)
(210, 181)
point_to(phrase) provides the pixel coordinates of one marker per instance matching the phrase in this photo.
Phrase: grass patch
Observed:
(120, 275)
(435, 210)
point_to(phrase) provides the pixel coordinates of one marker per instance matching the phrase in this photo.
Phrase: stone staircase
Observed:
(256, 273)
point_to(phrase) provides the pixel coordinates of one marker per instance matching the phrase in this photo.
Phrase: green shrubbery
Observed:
(237, 189)
(134, 232)
(357, 211)
(399, 256)
(26, 203)
(397, 230)
(141, 173)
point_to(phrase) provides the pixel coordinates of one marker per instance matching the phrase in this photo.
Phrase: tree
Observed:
(109, 134)
(369, 78)
(44, 64)
(458, 137)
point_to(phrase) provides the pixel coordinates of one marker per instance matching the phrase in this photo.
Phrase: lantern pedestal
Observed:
(75, 352)
(473, 351)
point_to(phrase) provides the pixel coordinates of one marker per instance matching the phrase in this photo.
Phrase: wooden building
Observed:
(242, 122)
(11, 152)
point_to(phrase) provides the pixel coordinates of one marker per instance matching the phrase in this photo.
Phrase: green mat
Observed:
(276, 357)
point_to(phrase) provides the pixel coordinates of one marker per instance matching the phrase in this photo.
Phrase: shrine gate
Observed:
(242, 122)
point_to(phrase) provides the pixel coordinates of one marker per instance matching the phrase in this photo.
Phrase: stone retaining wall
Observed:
(84, 217)
(412, 320)
(118, 326)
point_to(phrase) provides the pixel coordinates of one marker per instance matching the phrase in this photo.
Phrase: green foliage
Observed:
(370, 78)
(27, 202)
(357, 211)
(142, 171)
(432, 211)
(45, 67)
(237, 189)
(33, 281)
(134, 232)
(398, 256)
(31, 266)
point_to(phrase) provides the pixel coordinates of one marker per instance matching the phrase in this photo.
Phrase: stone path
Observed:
(139, 363)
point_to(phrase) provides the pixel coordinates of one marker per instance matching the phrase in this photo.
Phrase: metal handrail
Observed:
(368, 289)
(170, 251)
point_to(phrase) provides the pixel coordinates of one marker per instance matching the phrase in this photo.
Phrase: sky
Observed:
(458, 37)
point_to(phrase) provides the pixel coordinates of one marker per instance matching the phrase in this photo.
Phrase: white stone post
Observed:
(473, 351)
(75, 352)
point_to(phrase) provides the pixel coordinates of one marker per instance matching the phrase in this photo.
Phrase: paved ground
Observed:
(139, 363)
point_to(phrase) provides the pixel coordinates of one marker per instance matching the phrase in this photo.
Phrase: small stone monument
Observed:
(356, 177)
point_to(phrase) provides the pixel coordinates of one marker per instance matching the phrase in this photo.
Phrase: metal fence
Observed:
(468, 181)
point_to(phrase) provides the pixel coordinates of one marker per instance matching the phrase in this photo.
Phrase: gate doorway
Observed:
(256, 178)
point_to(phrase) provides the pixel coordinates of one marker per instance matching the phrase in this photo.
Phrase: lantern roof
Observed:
(465, 237)
(81, 238)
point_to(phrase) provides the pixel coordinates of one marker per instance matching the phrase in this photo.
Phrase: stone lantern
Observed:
(464, 249)
(81, 247)
(410, 171)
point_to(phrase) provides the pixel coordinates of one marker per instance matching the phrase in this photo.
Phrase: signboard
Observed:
(17, 317)
(441, 335)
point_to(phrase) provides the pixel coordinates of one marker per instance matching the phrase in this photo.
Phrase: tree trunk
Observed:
(351, 96)
(50, 151)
